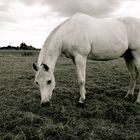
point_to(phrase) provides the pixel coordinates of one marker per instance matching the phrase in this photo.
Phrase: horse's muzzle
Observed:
(45, 104)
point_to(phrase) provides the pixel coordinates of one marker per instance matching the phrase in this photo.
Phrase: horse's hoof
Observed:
(137, 102)
(47, 104)
(80, 104)
(129, 97)
(126, 96)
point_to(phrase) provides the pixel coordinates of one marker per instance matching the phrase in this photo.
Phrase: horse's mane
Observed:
(51, 35)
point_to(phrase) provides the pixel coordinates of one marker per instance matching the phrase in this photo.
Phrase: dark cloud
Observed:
(92, 7)
(63, 8)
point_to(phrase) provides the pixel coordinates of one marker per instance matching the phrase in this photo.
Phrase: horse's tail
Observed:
(129, 59)
(128, 55)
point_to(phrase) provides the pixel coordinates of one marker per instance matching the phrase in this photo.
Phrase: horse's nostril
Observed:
(45, 104)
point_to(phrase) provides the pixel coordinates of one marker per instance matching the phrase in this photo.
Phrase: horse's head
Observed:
(46, 81)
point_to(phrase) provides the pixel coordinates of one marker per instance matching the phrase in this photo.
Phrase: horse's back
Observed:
(100, 37)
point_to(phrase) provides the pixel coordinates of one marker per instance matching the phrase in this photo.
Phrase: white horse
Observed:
(82, 37)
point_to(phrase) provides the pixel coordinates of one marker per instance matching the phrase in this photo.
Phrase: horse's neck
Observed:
(49, 56)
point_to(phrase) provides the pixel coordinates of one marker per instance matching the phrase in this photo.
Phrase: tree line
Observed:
(22, 46)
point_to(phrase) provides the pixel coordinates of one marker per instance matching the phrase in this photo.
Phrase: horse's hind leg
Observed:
(80, 63)
(136, 55)
(129, 60)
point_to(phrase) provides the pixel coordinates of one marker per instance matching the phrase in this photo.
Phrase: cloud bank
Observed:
(15, 10)
(91, 7)
(32, 20)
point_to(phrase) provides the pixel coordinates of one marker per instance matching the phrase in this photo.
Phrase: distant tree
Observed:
(31, 47)
(23, 46)
(9, 47)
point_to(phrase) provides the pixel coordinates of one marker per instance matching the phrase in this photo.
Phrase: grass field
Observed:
(107, 115)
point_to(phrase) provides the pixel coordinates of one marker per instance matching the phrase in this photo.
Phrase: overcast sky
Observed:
(31, 21)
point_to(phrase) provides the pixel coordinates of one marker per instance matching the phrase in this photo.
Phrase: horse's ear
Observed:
(45, 67)
(35, 67)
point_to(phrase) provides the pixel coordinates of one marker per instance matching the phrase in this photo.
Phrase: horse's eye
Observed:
(49, 82)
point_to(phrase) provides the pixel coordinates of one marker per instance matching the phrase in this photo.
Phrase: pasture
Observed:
(106, 115)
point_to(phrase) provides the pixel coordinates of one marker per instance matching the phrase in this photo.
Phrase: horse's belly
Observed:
(104, 56)
(107, 52)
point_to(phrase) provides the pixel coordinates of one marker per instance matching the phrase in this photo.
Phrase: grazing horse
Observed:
(83, 37)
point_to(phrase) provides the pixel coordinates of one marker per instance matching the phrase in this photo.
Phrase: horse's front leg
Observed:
(80, 63)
